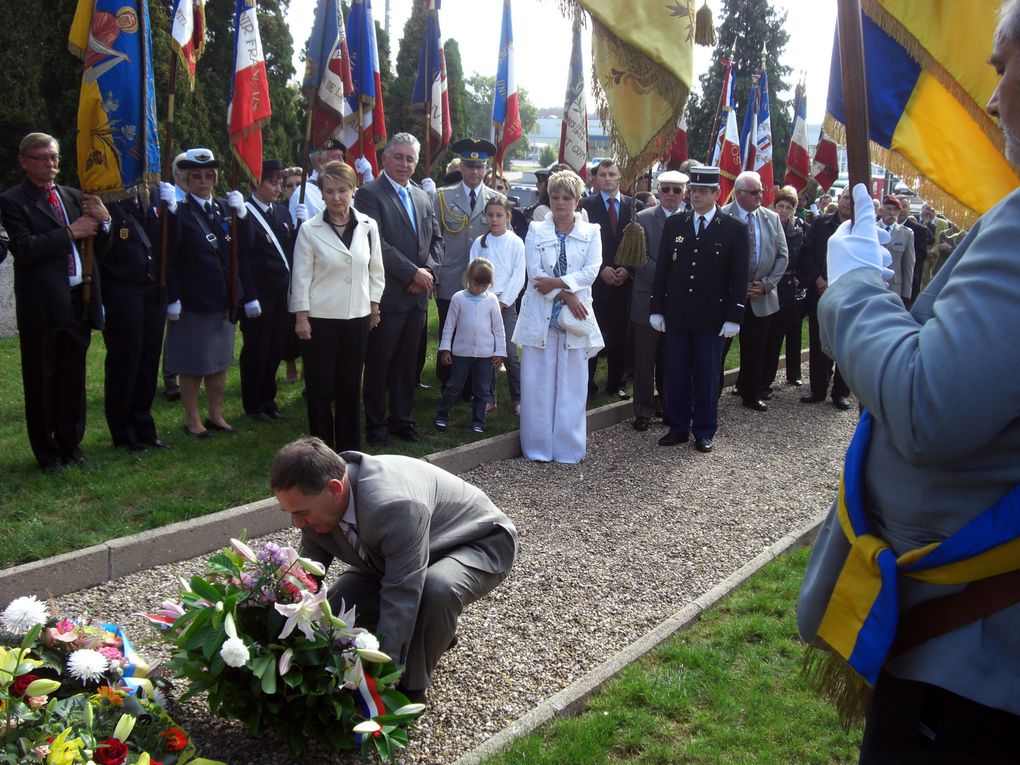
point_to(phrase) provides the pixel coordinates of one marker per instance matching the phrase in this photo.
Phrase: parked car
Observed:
(526, 195)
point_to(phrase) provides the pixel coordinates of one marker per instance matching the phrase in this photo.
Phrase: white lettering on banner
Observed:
(250, 49)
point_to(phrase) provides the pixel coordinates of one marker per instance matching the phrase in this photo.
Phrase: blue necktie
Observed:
(405, 197)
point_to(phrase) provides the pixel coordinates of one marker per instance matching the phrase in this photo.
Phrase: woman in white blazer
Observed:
(336, 284)
(564, 254)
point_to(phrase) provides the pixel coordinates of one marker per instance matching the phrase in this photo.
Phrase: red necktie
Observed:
(613, 217)
(58, 210)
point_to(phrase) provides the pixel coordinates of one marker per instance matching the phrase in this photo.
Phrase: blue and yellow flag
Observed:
(118, 146)
(928, 82)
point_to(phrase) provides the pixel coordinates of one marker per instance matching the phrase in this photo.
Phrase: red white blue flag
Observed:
(431, 96)
(825, 164)
(506, 115)
(328, 72)
(574, 132)
(366, 102)
(249, 107)
(761, 161)
(798, 161)
(725, 108)
(187, 35)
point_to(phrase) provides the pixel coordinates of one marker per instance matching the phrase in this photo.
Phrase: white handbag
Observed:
(585, 327)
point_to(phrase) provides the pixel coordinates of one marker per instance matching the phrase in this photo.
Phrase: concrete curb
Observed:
(571, 699)
(91, 566)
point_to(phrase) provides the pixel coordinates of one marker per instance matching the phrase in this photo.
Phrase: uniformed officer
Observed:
(135, 315)
(461, 209)
(698, 299)
(266, 330)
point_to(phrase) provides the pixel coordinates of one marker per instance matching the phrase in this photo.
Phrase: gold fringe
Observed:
(704, 27)
(892, 27)
(631, 250)
(669, 87)
(838, 684)
(927, 189)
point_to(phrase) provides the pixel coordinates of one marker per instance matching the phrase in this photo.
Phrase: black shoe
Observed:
(416, 697)
(620, 393)
(378, 439)
(130, 446)
(198, 434)
(53, 468)
(275, 414)
(172, 394)
(672, 439)
(659, 413)
(424, 386)
(213, 426)
(812, 398)
(640, 423)
(155, 443)
(842, 403)
(766, 395)
(258, 416)
(734, 391)
(409, 434)
(797, 383)
(703, 444)
(756, 405)
(77, 459)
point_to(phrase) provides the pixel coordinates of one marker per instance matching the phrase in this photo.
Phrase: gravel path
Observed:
(608, 549)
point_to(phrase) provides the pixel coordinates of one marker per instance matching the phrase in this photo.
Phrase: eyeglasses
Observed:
(671, 189)
(757, 193)
(54, 158)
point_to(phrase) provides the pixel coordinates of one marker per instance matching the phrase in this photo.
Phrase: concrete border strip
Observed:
(571, 699)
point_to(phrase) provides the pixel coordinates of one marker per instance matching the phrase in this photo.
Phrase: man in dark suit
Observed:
(698, 299)
(47, 225)
(266, 326)
(422, 544)
(611, 290)
(412, 249)
(922, 241)
(135, 317)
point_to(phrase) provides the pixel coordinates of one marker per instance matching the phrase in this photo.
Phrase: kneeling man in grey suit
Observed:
(421, 544)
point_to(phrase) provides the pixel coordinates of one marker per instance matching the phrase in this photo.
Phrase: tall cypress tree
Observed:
(748, 28)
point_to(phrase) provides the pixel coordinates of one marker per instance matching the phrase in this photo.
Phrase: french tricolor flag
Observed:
(798, 162)
(506, 115)
(187, 35)
(370, 704)
(249, 107)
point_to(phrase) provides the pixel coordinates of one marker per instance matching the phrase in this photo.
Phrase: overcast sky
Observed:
(542, 41)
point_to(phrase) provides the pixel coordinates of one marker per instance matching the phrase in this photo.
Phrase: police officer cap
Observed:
(672, 176)
(703, 176)
(474, 152)
(198, 158)
(331, 144)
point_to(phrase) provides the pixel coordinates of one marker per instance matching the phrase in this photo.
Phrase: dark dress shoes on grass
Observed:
(155, 443)
(703, 445)
(213, 426)
(257, 416)
(409, 434)
(198, 433)
(672, 439)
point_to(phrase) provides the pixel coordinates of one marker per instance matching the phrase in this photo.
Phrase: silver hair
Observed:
(745, 176)
(1009, 21)
(405, 139)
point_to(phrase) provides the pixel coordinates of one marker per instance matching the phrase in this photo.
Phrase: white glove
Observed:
(236, 202)
(252, 309)
(729, 329)
(301, 212)
(857, 247)
(173, 311)
(168, 194)
(364, 168)
(428, 185)
(658, 322)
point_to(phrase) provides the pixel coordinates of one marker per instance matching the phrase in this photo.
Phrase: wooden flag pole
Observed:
(232, 310)
(306, 160)
(167, 173)
(855, 91)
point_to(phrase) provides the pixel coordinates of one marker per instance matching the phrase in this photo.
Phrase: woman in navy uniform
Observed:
(200, 334)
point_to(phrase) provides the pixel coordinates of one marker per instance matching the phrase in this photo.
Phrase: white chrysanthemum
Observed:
(366, 640)
(24, 613)
(87, 666)
(234, 652)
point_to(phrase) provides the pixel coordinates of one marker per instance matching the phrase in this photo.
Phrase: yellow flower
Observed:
(64, 750)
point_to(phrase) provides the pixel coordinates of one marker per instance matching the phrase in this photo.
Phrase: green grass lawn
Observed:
(726, 690)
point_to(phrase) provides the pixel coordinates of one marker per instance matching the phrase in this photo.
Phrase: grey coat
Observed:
(460, 226)
(771, 262)
(943, 384)
(901, 247)
(652, 221)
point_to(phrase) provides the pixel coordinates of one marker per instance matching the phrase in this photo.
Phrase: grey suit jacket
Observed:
(901, 247)
(652, 221)
(943, 384)
(404, 249)
(460, 226)
(771, 262)
(411, 514)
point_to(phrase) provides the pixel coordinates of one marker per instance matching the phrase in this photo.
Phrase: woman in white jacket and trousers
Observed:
(564, 255)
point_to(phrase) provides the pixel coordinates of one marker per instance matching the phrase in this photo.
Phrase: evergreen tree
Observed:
(748, 27)
(479, 112)
(399, 118)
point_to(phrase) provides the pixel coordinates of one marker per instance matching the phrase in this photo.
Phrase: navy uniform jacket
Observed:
(271, 277)
(128, 258)
(198, 270)
(700, 284)
(597, 213)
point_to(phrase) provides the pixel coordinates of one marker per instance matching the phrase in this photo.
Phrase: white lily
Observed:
(228, 625)
(370, 654)
(285, 658)
(125, 725)
(304, 614)
(368, 726)
(244, 550)
(313, 567)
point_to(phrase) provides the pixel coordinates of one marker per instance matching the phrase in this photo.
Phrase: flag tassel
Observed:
(704, 26)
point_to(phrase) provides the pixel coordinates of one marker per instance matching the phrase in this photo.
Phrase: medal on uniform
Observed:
(679, 239)
(125, 233)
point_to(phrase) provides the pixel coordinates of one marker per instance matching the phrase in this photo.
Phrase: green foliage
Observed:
(758, 27)
(479, 113)
(548, 156)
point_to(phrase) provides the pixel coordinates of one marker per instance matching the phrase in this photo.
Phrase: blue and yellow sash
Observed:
(861, 619)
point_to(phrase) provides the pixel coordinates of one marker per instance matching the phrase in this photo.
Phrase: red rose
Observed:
(21, 682)
(110, 751)
(175, 739)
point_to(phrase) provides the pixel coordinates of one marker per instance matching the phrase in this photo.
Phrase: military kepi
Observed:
(332, 144)
(704, 176)
(473, 152)
(271, 169)
(198, 158)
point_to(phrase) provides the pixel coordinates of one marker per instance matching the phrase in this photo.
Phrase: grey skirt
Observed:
(199, 344)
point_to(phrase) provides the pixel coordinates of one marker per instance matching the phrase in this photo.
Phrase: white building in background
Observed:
(548, 134)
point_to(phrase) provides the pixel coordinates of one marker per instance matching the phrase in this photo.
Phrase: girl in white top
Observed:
(472, 343)
(505, 250)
